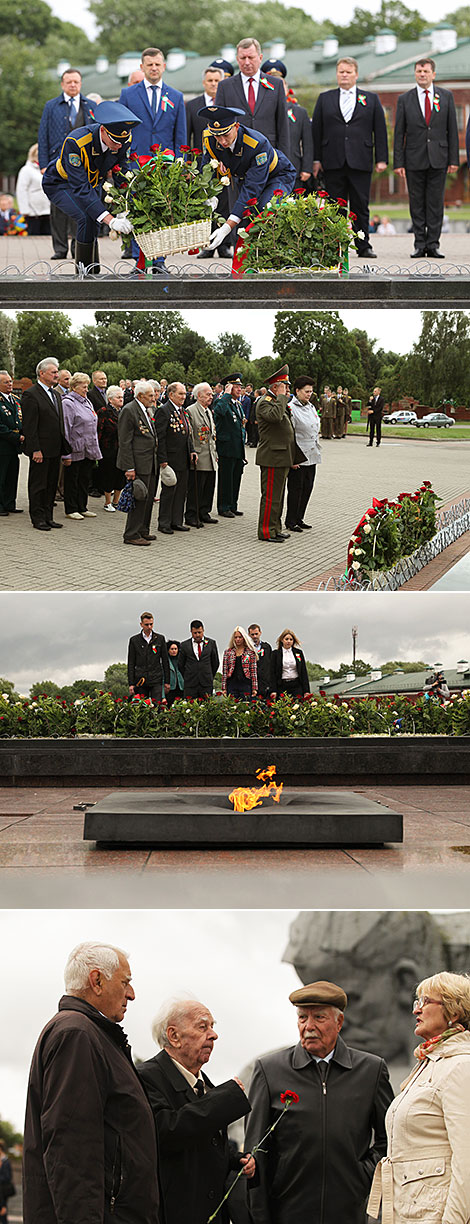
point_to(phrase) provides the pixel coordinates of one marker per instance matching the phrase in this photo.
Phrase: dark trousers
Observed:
(39, 225)
(63, 200)
(273, 483)
(138, 519)
(172, 501)
(375, 426)
(201, 487)
(228, 485)
(42, 484)
(352, 185)
(9, 471)
(150, 688)
(300, 482)
(236, 689)
(61, 225)
(76, 485)
(292, 687)
(426, 191)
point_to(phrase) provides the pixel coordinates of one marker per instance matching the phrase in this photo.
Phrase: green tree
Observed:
(7, 686)
(232, 345)
(82, 688)
(40, 687)
(317, 343)
(25, 86)
(65, 36)
(407, 24)
(115, 680)
(41, 333)
(114, 370)
(173, 371)
(198, 26)
(438, 364)
(32, 20)
(144, 326)
(8, 331)
(315, 671)
(460, 19)
(10, 1136)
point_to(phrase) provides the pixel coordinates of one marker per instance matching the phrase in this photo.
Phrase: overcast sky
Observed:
(318, 9)
(229, 960)
(65, 636)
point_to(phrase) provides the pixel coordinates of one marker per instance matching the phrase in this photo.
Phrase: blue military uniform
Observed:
(229, 438)
(252, 165)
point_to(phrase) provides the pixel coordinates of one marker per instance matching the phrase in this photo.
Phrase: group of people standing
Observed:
(336, 410)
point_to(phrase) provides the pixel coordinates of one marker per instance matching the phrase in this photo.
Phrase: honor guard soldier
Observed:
(277, 452)
(249, 161)
(73, 181)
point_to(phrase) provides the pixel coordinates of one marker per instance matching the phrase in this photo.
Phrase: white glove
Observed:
(219, 236)
(121, 224)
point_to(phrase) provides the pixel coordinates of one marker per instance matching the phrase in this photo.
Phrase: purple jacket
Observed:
(80, 425)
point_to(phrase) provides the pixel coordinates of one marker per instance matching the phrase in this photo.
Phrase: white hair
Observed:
(113, 390)
(171, 1012)
(142, 387)
(46, 361)
(199, 387)
(88, 956)
(155, 384)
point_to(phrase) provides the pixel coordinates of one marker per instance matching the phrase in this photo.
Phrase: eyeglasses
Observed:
(419, 1003)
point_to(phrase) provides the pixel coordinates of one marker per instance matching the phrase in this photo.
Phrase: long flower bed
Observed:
(390, 530)
(225, 717)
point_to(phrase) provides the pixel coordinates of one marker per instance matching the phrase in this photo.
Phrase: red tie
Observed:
(199, 649)
(427, 106)
(251, 96)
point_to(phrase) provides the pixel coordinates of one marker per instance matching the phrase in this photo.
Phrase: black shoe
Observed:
(283, 535)
(206, 254)
(206, 518)
(179, 527)
(294, 527)
(304, 526)
(127, 254)
(95, 493)
(64, 256)
(238, 513)
(434, 253)
(226, 514)
(5, 513)
(51, 523)
(166, 530)
(194, 523)
(149, 537)
(15, 511)
(139, 542)
(370, 443)
(419, 254)
(368, 253)
(42, 526)
(225, 252)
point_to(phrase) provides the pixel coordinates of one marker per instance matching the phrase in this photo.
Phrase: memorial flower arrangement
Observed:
(297, 232)
(390, 530)
(164, 190)
(287, 1100)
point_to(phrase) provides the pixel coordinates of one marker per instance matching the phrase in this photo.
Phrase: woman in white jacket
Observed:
(425, 1176)
(31, 199)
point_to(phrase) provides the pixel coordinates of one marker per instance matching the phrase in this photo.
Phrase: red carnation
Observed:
(278, 192)
(323, 195)
(353, 216)
(154, 148)
(299, 191)
(289, 1096)
(254, 200)
(197, 152)
(143, 159)
(185, 149)
(342, 203)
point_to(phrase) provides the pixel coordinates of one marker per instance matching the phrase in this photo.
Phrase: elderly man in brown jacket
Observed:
(90, 1152)
(277, 452)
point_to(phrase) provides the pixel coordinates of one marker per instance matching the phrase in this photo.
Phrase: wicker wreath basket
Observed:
(175, 239)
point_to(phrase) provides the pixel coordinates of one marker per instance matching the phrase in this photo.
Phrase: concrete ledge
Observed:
(221, 762)
(205, 819)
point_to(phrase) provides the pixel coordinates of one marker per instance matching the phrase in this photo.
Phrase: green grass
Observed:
(454, 432)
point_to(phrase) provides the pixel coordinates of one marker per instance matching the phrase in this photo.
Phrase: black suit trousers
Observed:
(9, 472)
(375, 426)
(352, 185)
(76, 485)
(426, 191)
(200, 495)
(42, 485)
(300, 483)
(138, 519)
(61, 227)
(172, 501)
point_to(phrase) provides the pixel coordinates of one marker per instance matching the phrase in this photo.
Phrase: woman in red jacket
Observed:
(239, 674)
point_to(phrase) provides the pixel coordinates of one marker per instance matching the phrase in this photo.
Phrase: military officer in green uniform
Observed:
(11, 438)
(229, 439)
(277, 452)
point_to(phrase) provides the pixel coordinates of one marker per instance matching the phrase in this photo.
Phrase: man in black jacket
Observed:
(319, 1162)
(191, 1115)
(175, 449)
(137, 458)
(198, 662)
(263, 653)
(44, 442)
(349, 139)
(426, 149)
(375, 410)
(90, 1150)
(148, 669)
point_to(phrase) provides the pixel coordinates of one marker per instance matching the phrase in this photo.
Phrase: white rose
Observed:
(214, 163)
(367, 529)
(356, 565)
(108, 199)
(360, 233)
(225, 180)
(358, 552)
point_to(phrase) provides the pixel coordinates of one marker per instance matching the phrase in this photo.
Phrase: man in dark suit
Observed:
(318, 1163)
(175, 449)
(148, 670)
(137, 458)
(263, 653)
(349, 138)
(191, 1115)
(44, 442)
(11, 439)
(97, 391)
(301, 140)
(195, 123)
(261, 98)
(198, 662)
(426, 149)
(59, 117)
(374, 416)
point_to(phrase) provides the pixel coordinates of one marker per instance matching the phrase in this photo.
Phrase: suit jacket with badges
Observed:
(276, 669)
(376, 406)
(249, 165)
(166, 128)
(270, 113)
(175, 441)
(360, 143)
(10, 426)
(301, 140)
(193, 1150)
(137, 441)
(277, 446)
(319, 1161)
(203, 436)
(228, 428)
(83, 165)
(43, 423)
(55, 125)
(148, 660)
(263, 667)
(418, 145)
(198, 672)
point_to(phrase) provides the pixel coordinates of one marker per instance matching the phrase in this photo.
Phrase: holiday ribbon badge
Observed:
(267, 84)
(362, 99)
(437, 103)
(166, 102)
(291, 115)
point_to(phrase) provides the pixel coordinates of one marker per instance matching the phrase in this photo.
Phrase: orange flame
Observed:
(245, 798)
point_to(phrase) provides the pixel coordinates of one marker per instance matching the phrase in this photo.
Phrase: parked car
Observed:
(438, 419)
(402, 417)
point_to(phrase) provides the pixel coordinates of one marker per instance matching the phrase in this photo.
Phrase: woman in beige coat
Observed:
(425, 1176)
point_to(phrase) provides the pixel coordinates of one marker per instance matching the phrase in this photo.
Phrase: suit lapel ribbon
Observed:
(266, 84)
(166, 102)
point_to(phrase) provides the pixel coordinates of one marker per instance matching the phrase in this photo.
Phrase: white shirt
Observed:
(324, 1057)
(208, 100)
(158, 93)
(422, 96)
(147, 639)
(246, 81)
(75, 107)
(196, 646)
(289, 665)
(347, 99)
(188, 1075)
(49, 391)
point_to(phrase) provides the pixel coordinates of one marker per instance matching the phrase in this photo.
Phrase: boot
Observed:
(96, 259)
(83, 256)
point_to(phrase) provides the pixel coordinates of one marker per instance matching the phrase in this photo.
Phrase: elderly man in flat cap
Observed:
(317, 1165)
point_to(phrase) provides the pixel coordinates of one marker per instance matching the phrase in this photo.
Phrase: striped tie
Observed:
(347, 106)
